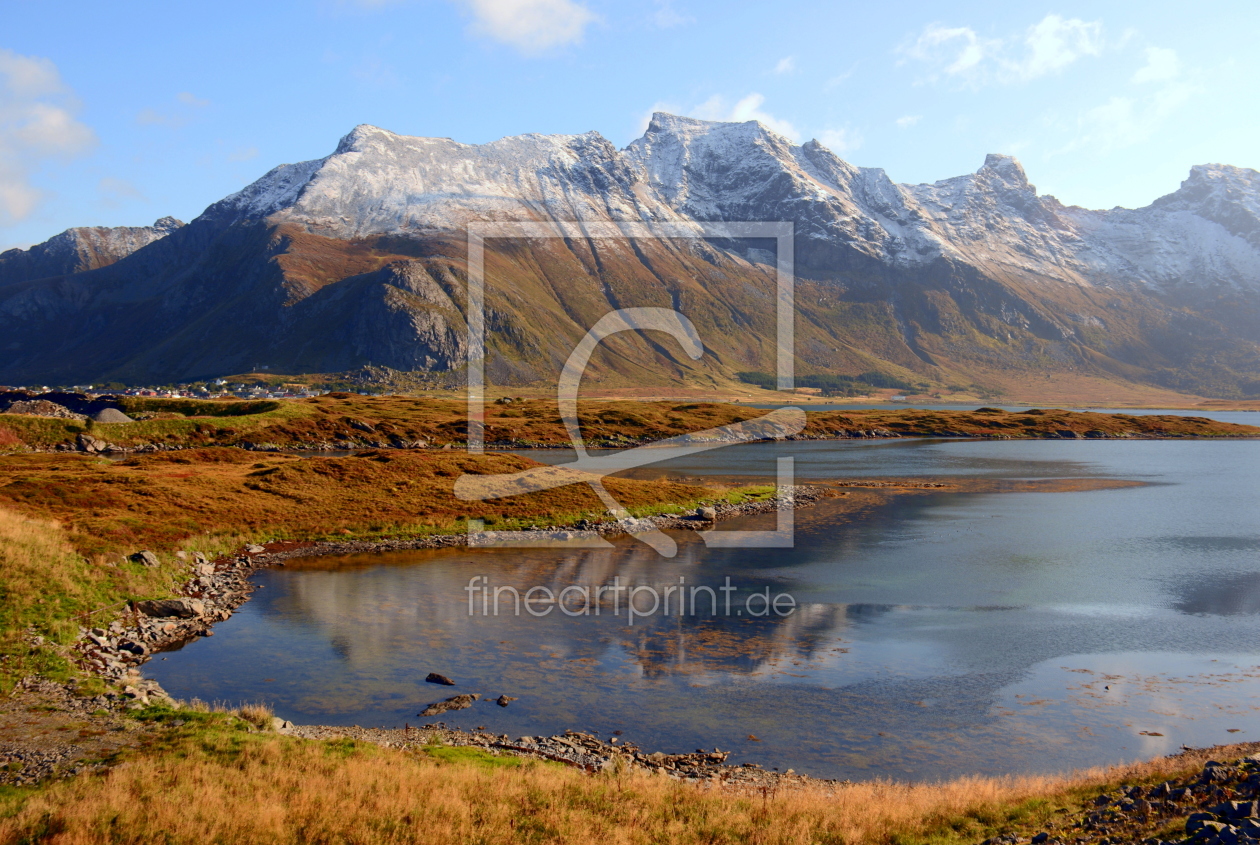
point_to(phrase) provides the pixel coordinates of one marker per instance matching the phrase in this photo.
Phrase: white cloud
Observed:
(1125, 121)
(908, 120)
(960, 55)
(243, 154)
(531, 26)
(748, 108)
(37, 124)
(1055, 43)
(787, 64)
(840, 141)
(1161, 65)
(667, 17)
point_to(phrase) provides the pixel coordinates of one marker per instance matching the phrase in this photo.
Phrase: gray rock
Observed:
(111, 415)
(709, 514)
(176, 608)
(88, 443)
(145, 558)
(253, 549)
(456, 702)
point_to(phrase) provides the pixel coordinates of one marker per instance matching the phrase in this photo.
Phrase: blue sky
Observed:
(118, 114)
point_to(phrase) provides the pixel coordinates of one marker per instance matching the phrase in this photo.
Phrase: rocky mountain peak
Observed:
(1007, 169)
(1226, 195)
(362, 135)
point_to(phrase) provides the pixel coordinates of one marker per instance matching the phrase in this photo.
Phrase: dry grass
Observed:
(232, 786)
(347, 419)
(168, 500)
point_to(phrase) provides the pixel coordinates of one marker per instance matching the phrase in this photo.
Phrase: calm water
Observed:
(942, 633)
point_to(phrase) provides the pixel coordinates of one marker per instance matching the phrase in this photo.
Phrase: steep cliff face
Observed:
(80, 249)
(358, 258)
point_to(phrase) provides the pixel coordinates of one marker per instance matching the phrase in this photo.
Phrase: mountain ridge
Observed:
(976, 278)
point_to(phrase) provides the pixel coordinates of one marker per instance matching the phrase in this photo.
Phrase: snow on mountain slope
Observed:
(79, 249)
(376, 182)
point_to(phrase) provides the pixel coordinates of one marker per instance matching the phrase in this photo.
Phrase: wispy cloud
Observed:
(185, 108)
(116, 191)
(37, 124)
(787, 64)
(531, 26)
(840, 141)
(745, 109)
(1122, 122)
(907, 121)
(960, 55)
(667, 17)
(1161, 65)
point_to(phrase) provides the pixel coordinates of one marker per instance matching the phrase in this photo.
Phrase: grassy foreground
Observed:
(217, 779)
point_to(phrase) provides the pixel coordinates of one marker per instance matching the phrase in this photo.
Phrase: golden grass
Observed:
(237, 787)
(186, 499)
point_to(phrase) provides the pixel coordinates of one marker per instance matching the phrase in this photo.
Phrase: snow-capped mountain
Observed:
(79, 249)
(358, 258)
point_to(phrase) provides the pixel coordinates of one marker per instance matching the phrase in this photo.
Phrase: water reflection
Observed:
(937, 633)
(1222, 596)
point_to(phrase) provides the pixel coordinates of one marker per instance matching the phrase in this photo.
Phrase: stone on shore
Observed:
(90, 444)
(456, 702)
(168, 608)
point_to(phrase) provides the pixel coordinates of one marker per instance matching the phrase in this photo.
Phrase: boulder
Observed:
(709, 514)
(435, 678)
(145, 558)
(253, 549)
(167, 608)
(456, 702)
(504, 700)
(88, 443)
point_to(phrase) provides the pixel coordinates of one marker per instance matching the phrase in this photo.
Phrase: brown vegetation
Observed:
(218, 783)
(162, 500)
(346, 420)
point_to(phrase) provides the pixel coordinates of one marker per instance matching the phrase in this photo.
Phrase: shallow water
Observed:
(937, 634)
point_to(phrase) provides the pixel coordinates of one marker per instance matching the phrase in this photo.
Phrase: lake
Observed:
(935, 634)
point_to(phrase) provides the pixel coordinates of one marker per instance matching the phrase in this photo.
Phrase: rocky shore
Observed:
(574, 748)
(1214, 805)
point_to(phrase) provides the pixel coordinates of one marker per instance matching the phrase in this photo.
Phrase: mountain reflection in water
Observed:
(936, 634)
